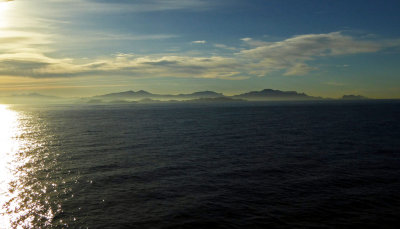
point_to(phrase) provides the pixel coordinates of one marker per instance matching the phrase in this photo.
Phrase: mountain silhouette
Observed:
(353, 97)
(144, 94)
(202, 94)
(127, 94)
(267, 94)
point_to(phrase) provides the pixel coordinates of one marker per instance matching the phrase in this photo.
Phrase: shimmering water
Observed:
(280, 165)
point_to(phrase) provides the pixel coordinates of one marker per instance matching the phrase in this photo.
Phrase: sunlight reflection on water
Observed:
(9, 148)
(20, 206)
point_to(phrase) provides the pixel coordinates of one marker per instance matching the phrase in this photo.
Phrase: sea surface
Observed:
(240, 165)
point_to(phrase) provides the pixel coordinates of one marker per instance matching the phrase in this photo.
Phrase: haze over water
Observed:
(281, 165)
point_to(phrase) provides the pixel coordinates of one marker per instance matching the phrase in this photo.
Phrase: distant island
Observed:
(196, 97)
(353, 97)
(270, 94)
(147, 95)
(141, 96)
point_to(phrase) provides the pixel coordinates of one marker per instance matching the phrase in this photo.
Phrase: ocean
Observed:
(239, 165)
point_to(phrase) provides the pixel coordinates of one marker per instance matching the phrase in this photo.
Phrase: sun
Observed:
(4, 8)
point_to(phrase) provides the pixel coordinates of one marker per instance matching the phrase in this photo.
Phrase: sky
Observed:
(76, 48)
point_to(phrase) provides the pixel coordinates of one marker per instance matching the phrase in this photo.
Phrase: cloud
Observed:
(136, 37)
(299, 69)
(172, 66)
(304, 47)
(293, 56)
(251, 42)
(95, 38)
(292, 53)
(121, 64)
(246, 39)
(222, 46)
(117, 6)
(199, 42)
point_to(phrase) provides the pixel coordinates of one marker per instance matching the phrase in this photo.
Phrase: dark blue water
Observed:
(260, 165)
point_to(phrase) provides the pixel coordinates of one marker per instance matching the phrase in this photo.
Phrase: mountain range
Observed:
(270, 94)
(266, 94)
(142, 96)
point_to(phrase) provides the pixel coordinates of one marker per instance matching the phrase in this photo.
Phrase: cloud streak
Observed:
(72, 7)
(199, 42)
(294, 56)
(293, 53)
(222, 46)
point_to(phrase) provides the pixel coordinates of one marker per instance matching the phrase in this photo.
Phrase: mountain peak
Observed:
(142, 92)
(266, 94)
(202, 94)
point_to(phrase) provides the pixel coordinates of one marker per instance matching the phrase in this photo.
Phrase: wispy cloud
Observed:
(121, 64)
(117, 6)
(222, 46)
(311, 45)
(252, 42)
(199, 42)
(294, 56)
(293, 53)
(299, 69)
(99, 37)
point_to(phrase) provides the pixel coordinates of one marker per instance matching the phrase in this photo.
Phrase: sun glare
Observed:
(4, 7)
(9, 147)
